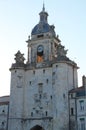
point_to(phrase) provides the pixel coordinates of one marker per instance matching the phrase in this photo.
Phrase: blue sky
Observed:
(18, 17)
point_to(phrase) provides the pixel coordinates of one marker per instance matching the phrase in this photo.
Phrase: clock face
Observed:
(40, 49)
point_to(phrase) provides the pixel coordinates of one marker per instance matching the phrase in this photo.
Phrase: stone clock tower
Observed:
(39, 87)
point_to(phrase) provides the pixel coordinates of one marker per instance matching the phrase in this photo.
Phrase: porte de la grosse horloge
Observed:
(44, 91)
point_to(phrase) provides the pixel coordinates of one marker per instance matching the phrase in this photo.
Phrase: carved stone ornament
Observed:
(19, 58)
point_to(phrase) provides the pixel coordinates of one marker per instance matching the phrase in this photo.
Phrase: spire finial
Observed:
(43, 7)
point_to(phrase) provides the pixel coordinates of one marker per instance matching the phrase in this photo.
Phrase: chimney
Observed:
(84, 81)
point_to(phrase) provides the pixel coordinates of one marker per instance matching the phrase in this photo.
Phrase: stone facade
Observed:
(41, 88)
(42, 96)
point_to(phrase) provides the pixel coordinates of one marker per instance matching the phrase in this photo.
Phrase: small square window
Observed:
(34, 72)
(43, 71)
(30, 82)
(51, 96)
(53, 73)
(71, 95)
(31, 113)
(56, 66)
(46, 113)
(3, 111)
(47, 80)
(72, 111)
(3, 123)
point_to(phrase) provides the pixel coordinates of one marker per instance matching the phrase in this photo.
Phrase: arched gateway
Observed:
(37, 127)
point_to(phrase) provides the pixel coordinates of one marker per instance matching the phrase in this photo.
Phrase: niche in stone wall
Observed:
(19, 81)
(40, 88)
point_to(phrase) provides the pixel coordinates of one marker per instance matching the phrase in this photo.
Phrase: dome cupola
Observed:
(43, 26)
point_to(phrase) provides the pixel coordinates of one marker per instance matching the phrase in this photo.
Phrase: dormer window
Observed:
(39, 36)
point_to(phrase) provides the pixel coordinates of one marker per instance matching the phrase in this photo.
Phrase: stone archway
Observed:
(37, 127)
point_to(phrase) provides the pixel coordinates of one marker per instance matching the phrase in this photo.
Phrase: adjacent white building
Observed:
(77, 98)
(44, 90)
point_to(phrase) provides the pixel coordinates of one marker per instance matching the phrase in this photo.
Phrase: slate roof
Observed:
(80, 91)
(4, 100)
(43, 26)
